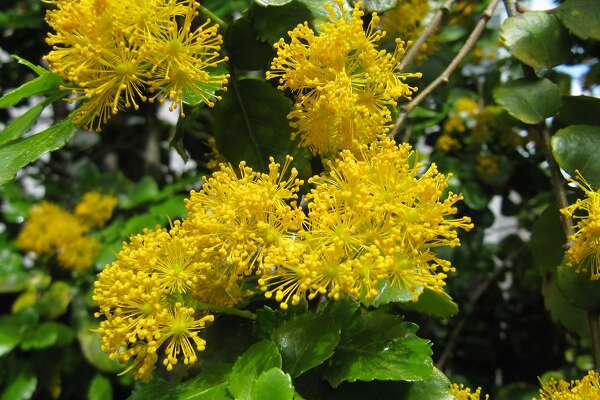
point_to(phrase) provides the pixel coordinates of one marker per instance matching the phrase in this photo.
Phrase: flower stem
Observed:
(212, 16)
(224, 310)
(594, 324)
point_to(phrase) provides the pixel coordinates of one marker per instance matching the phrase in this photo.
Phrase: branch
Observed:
(432, 27)
(445, 76)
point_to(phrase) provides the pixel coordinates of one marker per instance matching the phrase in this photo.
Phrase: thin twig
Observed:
(431, 28)
(445, 76)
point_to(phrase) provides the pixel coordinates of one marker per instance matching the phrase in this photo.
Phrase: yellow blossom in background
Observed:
(487, 165)
(467, 106)
(584, 253)
(95, 209)
(116, 54)
(406, 21)
(587, 388)
(460, 392)
(215, 156)
(371, 218)
(52, 230)
(447, 143)
(344, 85)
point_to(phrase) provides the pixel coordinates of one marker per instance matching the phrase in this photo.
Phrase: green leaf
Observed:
(45, 83)
(305, 342)
(576, 149)
(18, 153)
(22, 123)
(582, 17)
(100, 389)
(13, 277)
(547, 240)
(172, 208)
(379, 5)
(529, 101)
(562, 311)
(273, 384)
(56, 299)
(146, 190)
(435, 388)
(259, 358)
(46, 335)
(580, 110)
(89, 341)
(433, 303)
(20, 388)
(13, 328)
(578, 288)
(536, 38)
(20, 17)
(251, 125)
(388, 293)
(379, 346)
(273, 23)
(35, 68)
(245, 51)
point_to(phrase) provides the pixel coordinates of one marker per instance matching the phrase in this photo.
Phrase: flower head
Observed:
(584, 252)
(460, 392)
(371, 218)
(406, 21)
(117, 54)
(95, 208)
(587, 388)
(343, 83)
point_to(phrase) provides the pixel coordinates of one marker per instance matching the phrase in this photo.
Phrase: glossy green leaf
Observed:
(172, 208)
(46, 335)
(274, 23)
(529, 101)
(18, 153)
(576, 149)
(580, 110)
(13, 277)
(435, 388)
(379, 346)
(273, 384)
(20, 388)
(245, 50)
(56, 299)
(13, 328)
(45, 83)
(547, 240)
(388, 293)
(306, 341)
(562, 311)
(89, 341)
(379, 6)
(259, 358)
(100, 389)
(437, 304)
(21, 124)
(246, 129)
(582, 17)
(536, 38)
(35, 68)
(146, 190)
(578, 288)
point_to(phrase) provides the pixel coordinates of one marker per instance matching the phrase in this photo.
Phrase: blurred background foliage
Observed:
(513, 324)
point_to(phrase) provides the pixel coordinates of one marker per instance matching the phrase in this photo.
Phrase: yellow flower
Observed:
(466, 105)
(135, 295)
(371, 218)
(238, 217)
(118, 53)
(454, 124)
(95, 208)
(584, 253)
(587, 388)
(461, 392)
(50, 229)
(344, 85)
(447, 143)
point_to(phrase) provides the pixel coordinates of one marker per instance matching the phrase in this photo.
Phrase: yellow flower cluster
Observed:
(156, 290)
(344, 85)
(587, 388)
(584, 253)
(118, 53)
(464, 110)
(371, 218)
(52, 230)
(460, 392)
(94, 208)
